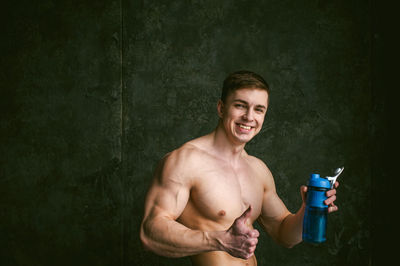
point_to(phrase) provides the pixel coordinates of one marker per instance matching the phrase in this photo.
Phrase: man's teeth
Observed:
(245, 127)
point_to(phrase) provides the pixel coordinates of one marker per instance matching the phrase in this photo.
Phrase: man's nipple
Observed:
(221, 213)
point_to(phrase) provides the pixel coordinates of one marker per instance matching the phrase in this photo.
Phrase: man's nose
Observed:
(249, 115)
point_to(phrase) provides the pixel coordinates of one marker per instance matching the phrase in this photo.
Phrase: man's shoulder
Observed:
(181, 164)
(186, 155)
(260, 168)
(257, 163)
(180, 152)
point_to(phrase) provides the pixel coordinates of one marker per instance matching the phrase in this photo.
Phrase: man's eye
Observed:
(240, 105)
(260, 110)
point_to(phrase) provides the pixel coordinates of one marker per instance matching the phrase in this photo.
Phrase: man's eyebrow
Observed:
(239, 100)
(261, 106)
(244, 102)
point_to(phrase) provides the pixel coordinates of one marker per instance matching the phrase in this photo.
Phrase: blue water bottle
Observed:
(315, 216)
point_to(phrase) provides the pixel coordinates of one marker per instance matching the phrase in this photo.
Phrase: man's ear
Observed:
(220, 108)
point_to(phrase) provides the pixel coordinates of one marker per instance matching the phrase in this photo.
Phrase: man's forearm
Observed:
(290, 231)
(169, 238)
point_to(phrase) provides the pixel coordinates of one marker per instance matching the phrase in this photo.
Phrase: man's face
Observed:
(243, 113)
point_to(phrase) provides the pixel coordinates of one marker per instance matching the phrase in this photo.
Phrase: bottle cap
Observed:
(316, 181)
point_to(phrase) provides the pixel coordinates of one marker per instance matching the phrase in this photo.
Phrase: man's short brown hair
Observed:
(242, 79)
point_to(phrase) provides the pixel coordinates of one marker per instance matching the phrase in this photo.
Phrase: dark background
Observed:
(94, 93)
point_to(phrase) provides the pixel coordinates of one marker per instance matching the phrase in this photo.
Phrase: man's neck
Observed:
(225, 147)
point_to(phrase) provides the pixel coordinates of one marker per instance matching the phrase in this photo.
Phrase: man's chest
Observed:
(221, 193)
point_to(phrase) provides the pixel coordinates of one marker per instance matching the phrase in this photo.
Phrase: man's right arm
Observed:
(166, 200)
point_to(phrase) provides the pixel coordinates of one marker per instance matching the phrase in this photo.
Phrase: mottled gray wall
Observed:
(94, 93)
(60, 190)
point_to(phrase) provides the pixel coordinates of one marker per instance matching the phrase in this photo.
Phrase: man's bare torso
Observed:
(206, 195)
(219, 194)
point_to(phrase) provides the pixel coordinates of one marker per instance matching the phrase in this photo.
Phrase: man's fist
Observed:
(239, 240)
(330, 201)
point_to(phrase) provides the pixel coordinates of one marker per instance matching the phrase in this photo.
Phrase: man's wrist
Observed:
(214, 240)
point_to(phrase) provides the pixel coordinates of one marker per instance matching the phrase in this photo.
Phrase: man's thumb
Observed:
(303, 193)
(245, 215)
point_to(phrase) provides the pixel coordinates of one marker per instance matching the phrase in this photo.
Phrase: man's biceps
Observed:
(172, 202)
(273, 207)
(171, 181)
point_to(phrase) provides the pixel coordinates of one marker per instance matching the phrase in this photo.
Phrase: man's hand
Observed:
(331, 194)
(239, 240)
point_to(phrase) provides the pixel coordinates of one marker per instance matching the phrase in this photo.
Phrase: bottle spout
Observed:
(332, 179)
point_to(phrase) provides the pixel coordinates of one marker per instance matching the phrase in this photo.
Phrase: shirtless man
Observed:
(207, 194)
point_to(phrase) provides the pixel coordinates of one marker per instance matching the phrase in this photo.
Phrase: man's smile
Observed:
(245, 127)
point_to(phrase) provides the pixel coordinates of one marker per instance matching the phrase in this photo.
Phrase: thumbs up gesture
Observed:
(239, 240)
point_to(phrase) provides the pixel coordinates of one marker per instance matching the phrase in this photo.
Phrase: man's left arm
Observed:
(283, 226)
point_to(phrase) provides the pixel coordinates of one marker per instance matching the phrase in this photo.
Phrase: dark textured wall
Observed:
(94, 93)
(60, 190)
